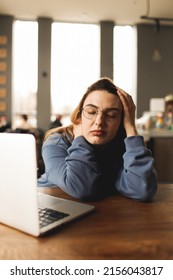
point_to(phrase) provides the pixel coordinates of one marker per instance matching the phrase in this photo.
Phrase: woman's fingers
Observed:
(126, 99)
(129, 112)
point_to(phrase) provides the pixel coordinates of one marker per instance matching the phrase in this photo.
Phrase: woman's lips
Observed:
(97, 132)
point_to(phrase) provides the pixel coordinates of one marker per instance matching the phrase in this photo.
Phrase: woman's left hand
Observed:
(129, 112)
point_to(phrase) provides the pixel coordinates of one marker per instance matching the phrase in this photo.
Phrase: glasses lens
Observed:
(89, 112)
(111, 115)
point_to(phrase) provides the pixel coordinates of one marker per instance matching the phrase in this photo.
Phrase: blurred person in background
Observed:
(57, 122)
(5, 125)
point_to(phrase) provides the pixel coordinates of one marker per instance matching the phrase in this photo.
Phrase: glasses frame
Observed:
(106, 116)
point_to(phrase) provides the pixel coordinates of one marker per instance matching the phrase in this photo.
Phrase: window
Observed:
(25, 68)
(125, 59)
(74, 63)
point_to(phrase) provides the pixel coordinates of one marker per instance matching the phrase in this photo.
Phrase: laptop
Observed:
(20, 201)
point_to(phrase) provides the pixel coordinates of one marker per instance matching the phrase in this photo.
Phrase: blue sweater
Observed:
(84, 171)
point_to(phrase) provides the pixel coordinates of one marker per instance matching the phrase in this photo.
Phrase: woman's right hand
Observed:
(77, 130)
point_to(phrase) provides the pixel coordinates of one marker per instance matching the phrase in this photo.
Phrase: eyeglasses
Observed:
(109, 115)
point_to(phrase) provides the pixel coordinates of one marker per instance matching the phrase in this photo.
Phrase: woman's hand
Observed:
(77, 130)
(129, 112)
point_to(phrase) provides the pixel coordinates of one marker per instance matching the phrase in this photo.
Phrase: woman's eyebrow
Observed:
(106, 109)
(113, 109)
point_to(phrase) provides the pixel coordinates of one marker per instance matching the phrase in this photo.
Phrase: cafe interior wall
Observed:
(154, 77)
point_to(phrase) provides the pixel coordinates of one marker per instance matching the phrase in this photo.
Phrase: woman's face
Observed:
(101, 117)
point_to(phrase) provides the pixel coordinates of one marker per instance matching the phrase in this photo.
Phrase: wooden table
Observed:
(119, 229)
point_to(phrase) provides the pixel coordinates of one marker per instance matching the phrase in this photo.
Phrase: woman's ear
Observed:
(77, 120)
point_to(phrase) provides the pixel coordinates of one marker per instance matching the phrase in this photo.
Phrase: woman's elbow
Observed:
(147, 193)
(80, 193)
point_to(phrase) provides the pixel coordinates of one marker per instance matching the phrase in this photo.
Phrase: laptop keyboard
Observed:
(48, 216)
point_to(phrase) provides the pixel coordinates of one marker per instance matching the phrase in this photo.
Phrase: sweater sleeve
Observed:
(138, 178)
(73, 167)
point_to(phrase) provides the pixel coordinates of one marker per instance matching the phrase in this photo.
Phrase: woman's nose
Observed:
(99, 117)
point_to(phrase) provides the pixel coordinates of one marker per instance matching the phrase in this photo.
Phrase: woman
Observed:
(100, 152)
